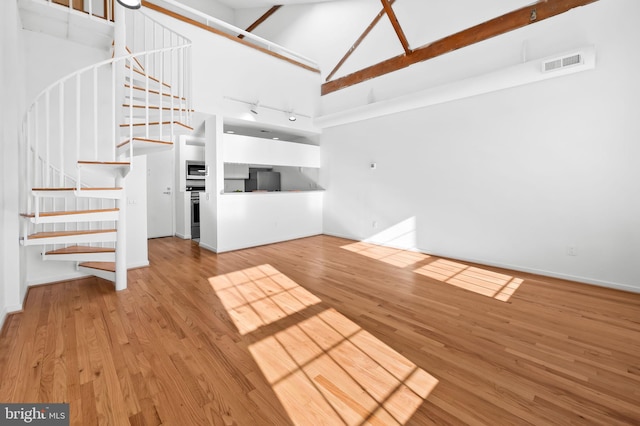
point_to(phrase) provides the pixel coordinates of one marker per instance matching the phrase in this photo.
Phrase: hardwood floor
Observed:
(323, 330)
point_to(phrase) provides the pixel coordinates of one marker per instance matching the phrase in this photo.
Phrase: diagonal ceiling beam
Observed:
(518, 18)
(357, 42)
(261, 19)
(396, 25)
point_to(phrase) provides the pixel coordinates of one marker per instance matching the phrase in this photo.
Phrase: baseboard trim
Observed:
(519, 268)
(543, 272)
(267, 242)
(4, 314)
(138, 265)
(208, 247)
(57, 279)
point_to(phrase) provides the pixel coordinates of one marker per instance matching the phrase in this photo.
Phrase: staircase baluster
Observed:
(47, 136)
(95, 113)
(114, 107)
(36, 144)
(78, 107)
(61, 130)
(146, 96)
(131, 64)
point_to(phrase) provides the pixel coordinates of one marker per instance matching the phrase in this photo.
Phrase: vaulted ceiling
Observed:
(355, 40)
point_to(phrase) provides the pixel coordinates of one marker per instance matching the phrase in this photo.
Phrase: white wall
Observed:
(252, 219)
(11, 102)
(136, 187)
(510, 178)
(48, 59)
(223, 69)
(213, 8)
(214, 184)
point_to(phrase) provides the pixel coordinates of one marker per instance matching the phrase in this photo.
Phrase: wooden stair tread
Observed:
(157, 107)
(156, 123)
(69, 212)
(102, 266)
(155, 92)
(52, 234)
(148, 76)
(145, 140)
(81, 249)
(142, 73)
(73, 189)
(106, 163)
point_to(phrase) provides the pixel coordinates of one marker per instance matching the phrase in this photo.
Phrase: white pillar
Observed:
(121, 239)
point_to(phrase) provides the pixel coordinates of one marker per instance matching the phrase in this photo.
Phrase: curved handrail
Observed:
(100, 64)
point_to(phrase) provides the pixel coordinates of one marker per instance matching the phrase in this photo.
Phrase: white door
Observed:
(160, 171)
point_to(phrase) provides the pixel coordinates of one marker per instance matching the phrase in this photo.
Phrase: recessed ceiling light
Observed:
(230, 131)
(275, 139)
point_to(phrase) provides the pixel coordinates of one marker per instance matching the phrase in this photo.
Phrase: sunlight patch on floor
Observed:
(323, 367)
(392, 256)
(259, 296)
(480, 281)
(328, 370)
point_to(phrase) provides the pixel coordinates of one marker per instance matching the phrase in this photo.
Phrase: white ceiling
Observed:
(247, 4)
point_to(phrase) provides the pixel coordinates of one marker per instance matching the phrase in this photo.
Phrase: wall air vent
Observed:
(562, 62)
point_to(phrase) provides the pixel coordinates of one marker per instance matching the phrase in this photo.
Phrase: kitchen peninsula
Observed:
(267, 192)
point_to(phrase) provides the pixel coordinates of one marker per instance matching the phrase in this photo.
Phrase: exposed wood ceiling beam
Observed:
(396, 25)
(358, 41)
(193, 22)
(519, 18)
(261, 19)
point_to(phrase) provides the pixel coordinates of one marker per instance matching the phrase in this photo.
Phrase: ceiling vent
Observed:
(563, 62)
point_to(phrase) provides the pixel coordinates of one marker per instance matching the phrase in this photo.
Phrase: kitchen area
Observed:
(242, 191)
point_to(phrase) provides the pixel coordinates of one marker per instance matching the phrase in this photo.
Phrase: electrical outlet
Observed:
(572, 251)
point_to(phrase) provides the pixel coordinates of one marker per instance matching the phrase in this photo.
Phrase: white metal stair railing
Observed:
(102, 9)
(79, 137)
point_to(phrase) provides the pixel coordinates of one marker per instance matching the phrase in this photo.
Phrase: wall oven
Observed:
(195, 170)
(195, 215)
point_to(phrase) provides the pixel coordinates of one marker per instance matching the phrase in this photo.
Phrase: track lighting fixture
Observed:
(131, 4)
(255, 107)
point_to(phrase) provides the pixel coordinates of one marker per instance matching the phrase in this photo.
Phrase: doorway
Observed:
(160, 198)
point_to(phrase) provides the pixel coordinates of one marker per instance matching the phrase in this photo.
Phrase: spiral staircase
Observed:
(81, 133)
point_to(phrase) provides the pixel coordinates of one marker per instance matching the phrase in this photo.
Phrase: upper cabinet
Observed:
(242, 149)
(236, 171)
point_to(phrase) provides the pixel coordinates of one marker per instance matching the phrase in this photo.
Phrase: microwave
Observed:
(195, 170)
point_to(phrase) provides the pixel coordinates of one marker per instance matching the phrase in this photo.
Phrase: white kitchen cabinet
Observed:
(252, 150)
(236, 171)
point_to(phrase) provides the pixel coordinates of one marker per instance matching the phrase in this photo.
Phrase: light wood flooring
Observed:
(325, 330)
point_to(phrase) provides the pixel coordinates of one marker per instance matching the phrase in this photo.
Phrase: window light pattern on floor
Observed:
(258, 296)
(481, 281)
(324, 368)
(390, 255)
